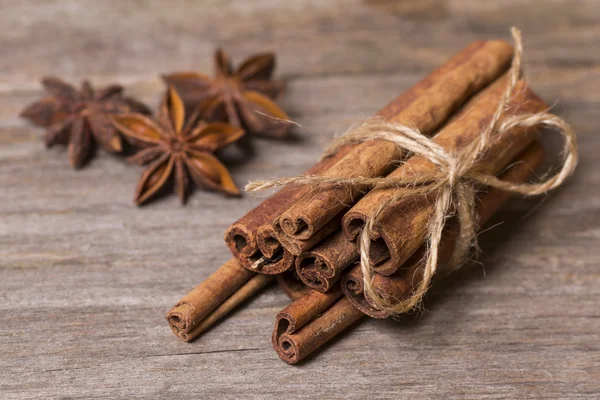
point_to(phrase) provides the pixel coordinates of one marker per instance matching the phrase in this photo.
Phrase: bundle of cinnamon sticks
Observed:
(306, 236)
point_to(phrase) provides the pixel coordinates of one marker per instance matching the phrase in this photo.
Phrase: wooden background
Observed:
(86, 278)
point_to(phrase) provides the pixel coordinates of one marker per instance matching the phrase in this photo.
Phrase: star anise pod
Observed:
(241, 97)
(178, 149)
(80, 118)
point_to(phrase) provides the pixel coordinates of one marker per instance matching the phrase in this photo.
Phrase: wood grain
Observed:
(86, 277)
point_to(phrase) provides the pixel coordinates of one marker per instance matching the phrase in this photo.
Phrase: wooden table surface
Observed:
(86, 277)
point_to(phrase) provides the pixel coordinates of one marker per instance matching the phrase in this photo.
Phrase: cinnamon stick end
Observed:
(179, 317)
(287, 350)
(240, 242)
(313, 271)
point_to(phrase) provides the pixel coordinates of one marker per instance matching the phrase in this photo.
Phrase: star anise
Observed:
(241, 97)
(80, 118)
(178, 149)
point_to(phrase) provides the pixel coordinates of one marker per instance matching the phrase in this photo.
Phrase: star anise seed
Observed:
(80, 119)
(178, 149)
(242, 96)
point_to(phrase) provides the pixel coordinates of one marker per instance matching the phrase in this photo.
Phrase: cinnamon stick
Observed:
(315, 209)
(310, 320)
(279, 251)
(393, 246)
(293, 347)
(303, 310)
(321, 267)
(435, 103)
(478, 60)
(294, 341)
(296, 246)
(206, 297)
(249, 289)
(276, 259)
(399, 286)
(241, 238)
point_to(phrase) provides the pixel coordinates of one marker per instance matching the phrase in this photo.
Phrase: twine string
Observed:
(453, 182)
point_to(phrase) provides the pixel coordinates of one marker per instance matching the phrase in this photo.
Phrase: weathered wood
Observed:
(86, 277)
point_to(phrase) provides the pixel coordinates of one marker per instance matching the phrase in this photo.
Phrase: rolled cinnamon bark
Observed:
(293, 343)
(296, 246)
(391, 246)
(433, 106)
(293, 347)
(310, 320)
(206, 297)
(480, 60)
(278, 251)
(315, 209)
(321, 267)
(241, 238)
(400, 285)
(276, 258)
(249, 289)
(303, 310)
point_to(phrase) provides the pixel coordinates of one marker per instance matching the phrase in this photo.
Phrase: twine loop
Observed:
(452, 183)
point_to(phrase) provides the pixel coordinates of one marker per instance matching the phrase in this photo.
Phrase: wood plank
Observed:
(185, 35)
(86, 277)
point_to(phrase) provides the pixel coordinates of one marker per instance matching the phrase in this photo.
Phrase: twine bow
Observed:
(453, 181)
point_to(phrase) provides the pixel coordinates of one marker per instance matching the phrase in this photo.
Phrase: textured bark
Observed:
(301, 311)
(241, 237)
(437, 98)
(306, 217)
(85, 284)
(206, 297)
(321, 267)
(296, 246)
(249, 289)
(399, 286)
(277, 258)
(421, 105)
(304, 325)
(393, 246)
(293, 347)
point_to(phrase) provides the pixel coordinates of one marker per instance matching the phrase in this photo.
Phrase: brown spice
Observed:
(296, 246)
(289, 282)
(197, 305)
(178, 149)
(427, 112)
(293, 341)
(399, 286)
(277, 258)
(391, 247)
(303, 310)
(250, 288)
(241, 237)
(321, 267)
(293, 347)
(313, 211)
(241, 97)
(81, 118)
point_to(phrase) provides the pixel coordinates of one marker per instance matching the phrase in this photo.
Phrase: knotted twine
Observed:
(453, 182)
